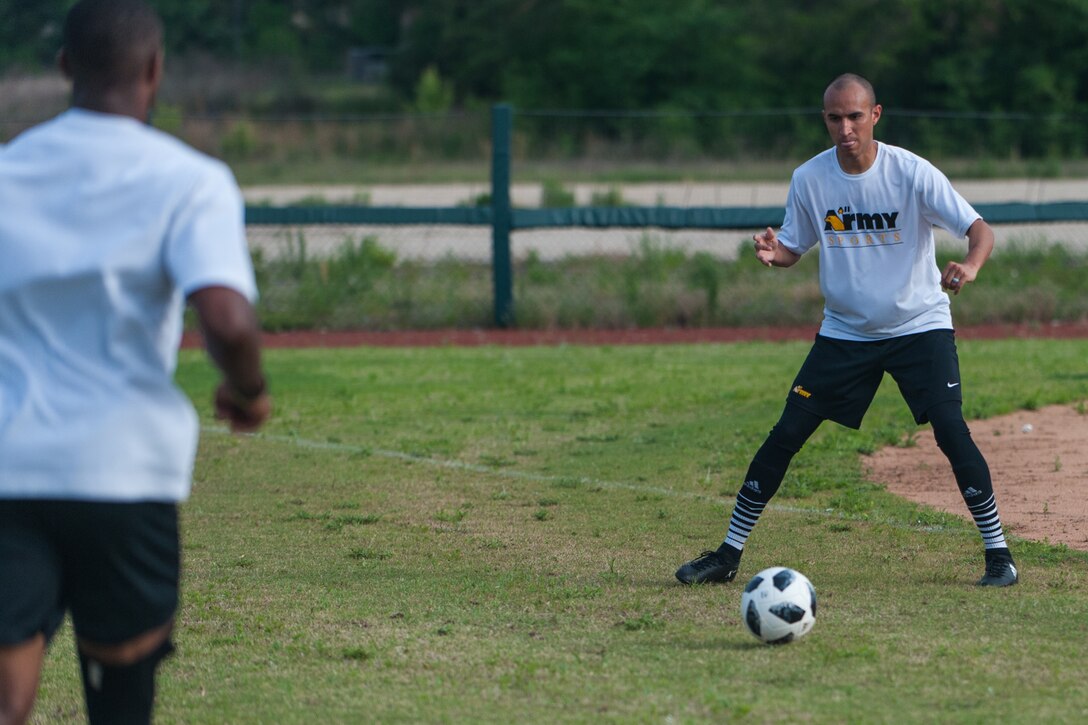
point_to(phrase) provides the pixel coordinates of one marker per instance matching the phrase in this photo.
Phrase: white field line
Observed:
(548, 478)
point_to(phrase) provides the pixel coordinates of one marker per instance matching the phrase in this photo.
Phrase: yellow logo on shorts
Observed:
(802, 392)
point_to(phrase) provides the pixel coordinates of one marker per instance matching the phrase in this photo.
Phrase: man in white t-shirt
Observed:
(871, 208)
(107, 228)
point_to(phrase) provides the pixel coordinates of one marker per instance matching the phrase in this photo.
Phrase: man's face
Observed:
(850, 116)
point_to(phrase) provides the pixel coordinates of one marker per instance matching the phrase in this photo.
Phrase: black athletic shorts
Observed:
(114, 566)
(840, 377)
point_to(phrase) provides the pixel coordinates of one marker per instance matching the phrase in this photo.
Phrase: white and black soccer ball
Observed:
(778, 605)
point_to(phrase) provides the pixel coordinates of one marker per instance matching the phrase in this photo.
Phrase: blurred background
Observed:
(627, 102)
(280, 87)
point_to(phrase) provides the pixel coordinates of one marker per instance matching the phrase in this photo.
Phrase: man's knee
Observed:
(20, 669)
(122, 690)
(950, 430)
(129, 651)
(793, 429)
(15, 707)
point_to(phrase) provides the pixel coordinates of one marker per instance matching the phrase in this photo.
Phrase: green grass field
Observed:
(490, 535)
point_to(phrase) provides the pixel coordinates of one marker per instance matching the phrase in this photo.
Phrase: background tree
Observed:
(705, 62)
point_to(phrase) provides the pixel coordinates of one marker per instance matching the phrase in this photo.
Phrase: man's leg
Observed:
(761, 483)
(30, 603)
(20, 669)
(123, 574)
(926, 367)
(767, 470)
(119, 679)
(973, 478)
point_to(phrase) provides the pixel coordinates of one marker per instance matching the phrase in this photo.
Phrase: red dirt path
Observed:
(658, 336)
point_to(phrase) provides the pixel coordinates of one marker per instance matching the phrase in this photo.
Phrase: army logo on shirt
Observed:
(847, 228)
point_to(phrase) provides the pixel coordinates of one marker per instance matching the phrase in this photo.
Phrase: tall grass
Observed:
(365, 286)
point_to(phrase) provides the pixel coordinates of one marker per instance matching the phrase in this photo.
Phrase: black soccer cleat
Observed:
(715, 567)
(1000, 569)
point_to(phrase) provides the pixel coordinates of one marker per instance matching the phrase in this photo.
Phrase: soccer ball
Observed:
(778, 605)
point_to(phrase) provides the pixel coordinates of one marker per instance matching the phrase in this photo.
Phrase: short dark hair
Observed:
(848, 79)
(108, 42)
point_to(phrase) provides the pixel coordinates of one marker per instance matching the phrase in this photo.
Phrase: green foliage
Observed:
(30, 33)
(577, 54)
(432, 94)
(274, 33)
(323, 293)
(611, 196)
(706, 67)
(365, 286)
(169, 118)
(704, 274)
(482, 199)
(1026, 283)
(554, 195)
(240, 142)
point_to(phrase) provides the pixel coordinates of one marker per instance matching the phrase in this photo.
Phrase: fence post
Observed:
(501, 215)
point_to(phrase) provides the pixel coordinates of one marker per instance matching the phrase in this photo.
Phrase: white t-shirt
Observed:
(106, 225)
(878, 265)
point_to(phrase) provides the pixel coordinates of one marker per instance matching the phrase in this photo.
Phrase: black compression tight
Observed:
(954, 439)
(766, 472)
(121, 694)
(770, 462)
(796, 425)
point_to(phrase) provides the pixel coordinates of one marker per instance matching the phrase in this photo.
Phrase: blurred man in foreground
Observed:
(107, 228)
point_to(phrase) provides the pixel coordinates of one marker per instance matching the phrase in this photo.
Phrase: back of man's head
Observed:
(108, 43)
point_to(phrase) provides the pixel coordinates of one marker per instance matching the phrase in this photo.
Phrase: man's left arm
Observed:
(980, 243)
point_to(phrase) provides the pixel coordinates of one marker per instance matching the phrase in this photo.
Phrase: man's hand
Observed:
(233, 339)
(245, 413)
(766, 247)
(980, 243)
(956, 275)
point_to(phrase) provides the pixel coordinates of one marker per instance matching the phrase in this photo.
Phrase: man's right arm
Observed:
(771, 253)
(232, 337)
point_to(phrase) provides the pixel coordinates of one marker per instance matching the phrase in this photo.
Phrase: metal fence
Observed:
(503, 219)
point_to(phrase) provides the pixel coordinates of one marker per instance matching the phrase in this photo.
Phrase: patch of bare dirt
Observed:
(1039, 463)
